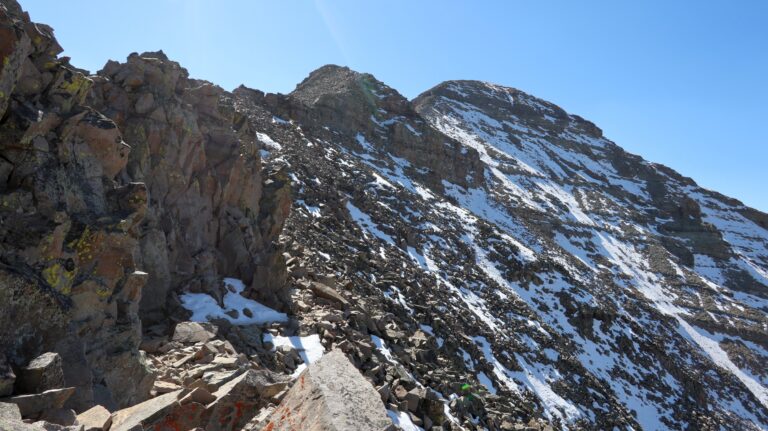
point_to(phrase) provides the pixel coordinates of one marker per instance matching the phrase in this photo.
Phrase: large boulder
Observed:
(331, 395)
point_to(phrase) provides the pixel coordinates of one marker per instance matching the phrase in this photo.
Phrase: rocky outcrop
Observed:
(213, 212)
(116, 191)
(322, 396)
(68, 225)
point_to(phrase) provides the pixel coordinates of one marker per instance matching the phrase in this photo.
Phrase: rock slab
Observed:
(331, 395)
(34, 404)
(144, 414)
(95, 419)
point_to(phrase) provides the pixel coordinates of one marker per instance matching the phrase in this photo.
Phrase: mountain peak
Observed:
(357, 103)
(505, 102)
(332, 81)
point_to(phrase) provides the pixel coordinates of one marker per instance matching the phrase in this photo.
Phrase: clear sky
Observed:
(683, 83)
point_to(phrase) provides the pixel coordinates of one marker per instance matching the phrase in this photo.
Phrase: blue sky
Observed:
(683, 83)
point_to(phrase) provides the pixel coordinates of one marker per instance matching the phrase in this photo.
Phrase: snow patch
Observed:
(309, 348)
(205, 307)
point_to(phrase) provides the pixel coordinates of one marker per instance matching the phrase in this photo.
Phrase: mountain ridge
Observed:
(681, 215)
(482, 258)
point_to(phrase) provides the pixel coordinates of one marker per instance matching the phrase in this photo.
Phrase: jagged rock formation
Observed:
(365, 112)
(97, 232)
(208, 215)
(483, 258)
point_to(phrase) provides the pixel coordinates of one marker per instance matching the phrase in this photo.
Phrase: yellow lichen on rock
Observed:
(59, 278)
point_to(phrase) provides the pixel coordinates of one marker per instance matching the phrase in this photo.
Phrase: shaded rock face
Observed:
(68, 226)
(209, 215)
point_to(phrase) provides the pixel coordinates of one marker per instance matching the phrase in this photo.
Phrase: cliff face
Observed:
(68, 226)
(208, 214)
(117, 190)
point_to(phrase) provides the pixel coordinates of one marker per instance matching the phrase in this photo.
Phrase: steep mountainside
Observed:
(610, 290)
(179, 255)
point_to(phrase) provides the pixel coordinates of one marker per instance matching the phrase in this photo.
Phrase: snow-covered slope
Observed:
(557, 275)
(615, 222)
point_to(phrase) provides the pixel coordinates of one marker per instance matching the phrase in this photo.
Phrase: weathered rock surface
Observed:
(331, 395)
(104, 217)
(144, 414)
(97, 418)
(67, 237)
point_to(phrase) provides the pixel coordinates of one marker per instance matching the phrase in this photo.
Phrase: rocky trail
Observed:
(175, 256)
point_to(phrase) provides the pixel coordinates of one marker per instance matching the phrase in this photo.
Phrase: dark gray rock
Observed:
(43, 373)
(7, 377)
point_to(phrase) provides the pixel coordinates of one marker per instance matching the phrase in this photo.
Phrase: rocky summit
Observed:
(175, 256)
